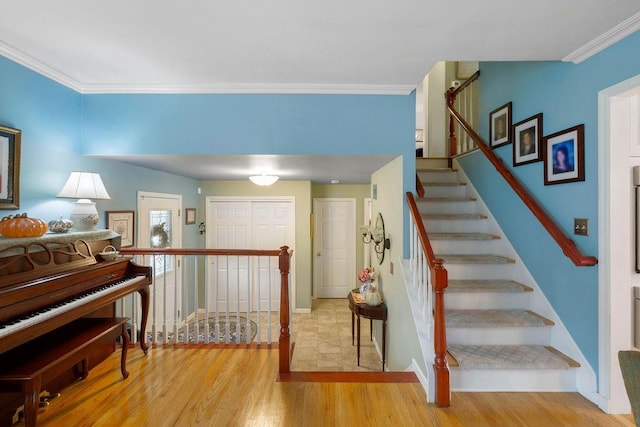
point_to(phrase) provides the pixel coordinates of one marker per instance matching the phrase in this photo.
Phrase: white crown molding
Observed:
(252, 88)
(617, 33)
(58, 76)
(33, 64)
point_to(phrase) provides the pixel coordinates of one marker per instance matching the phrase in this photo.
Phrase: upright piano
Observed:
(47, 287)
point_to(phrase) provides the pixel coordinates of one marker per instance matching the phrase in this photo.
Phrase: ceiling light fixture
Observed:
(264, 180)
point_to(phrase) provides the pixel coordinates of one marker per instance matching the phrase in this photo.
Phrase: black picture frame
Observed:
(500, 126)
(10, 140)
(564, 156)
(527, 140)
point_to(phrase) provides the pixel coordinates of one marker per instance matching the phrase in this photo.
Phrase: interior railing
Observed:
(464, 99)
(431, 279)
(464, 125)
(226, 297)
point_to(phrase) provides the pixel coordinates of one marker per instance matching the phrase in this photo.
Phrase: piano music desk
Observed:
(30, 367)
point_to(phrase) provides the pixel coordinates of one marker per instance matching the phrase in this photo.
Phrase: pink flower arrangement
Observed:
(367, 275)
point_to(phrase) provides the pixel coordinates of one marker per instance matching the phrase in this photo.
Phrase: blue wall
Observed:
(247, 124)
(62, 129)
(49, 116)
(567, 95)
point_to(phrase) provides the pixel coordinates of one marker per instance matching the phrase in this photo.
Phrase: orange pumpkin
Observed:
(22, 226)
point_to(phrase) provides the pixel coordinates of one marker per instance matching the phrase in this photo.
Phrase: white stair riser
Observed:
(445, 190)
(485, 300)
(437, 176)
(456, 225)
(466, 246)
(447, 207)
(480, 271)
(513, 380)
(499, 336)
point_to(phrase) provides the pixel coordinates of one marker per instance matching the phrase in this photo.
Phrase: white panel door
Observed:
(228, 277)
(334, 242)
(247, 224)
(159, 226)
(271, 229)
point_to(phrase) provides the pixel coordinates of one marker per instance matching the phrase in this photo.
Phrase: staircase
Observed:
(498, 340)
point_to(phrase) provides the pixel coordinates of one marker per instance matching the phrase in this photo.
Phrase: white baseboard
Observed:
(424, 382)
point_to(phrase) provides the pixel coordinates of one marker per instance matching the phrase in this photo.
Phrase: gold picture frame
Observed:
(10, 168)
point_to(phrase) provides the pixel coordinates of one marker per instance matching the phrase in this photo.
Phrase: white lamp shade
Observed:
(84, 185)
(264, 180)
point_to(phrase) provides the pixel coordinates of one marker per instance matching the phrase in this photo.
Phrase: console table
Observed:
(372, 313)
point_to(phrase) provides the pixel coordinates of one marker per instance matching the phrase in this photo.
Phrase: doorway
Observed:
(247, 223)
(159, 226)
(334, 247)
(618, 152)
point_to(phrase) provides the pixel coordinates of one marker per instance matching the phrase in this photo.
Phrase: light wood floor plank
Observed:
(223, 387)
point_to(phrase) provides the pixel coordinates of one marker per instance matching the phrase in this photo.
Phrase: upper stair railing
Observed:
(431, 280)
(464, 99)
(229, 297)
(566, 244)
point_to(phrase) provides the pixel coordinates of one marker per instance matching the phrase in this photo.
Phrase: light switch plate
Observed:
(581, 226)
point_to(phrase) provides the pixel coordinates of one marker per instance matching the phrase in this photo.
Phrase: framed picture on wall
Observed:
(190, 216)
(9, 168)
(527, 140)
(500, 126)
(122, 222)
(564, 156)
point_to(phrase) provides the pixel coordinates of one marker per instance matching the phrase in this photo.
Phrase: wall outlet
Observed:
(581, 226)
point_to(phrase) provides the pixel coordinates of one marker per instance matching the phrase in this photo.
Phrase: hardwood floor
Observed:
(227, 387)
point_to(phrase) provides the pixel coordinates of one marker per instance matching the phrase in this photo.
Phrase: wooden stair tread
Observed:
(445, 199)
(475, 259)
(494, 318)
(463, 236)
(443, 184)
(495, 357)
(448, 216)
(487, 285)
(435, 170)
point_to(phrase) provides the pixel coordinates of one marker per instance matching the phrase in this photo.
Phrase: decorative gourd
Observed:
(373, 297)
(22, 226)
(60, 225)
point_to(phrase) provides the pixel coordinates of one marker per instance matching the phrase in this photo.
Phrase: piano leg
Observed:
(125, 347)
(144, 297)
(31, 391)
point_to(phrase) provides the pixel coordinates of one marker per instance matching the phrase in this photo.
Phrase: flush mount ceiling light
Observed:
(264, 180)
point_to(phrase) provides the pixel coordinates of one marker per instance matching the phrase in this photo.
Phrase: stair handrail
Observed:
(568, 247)
(451, 96)
(439, 279)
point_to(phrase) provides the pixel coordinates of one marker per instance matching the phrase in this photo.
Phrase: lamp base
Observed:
(84, 215)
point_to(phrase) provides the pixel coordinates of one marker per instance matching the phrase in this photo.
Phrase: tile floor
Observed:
(323, 340)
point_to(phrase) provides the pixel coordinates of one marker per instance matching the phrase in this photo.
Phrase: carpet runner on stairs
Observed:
(494, 286)
(494, 319)
(509, 357)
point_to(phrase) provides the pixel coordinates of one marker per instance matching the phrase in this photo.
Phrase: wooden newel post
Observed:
(284, 343)
(440, 368)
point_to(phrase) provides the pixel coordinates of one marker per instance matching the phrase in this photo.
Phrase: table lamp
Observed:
(84, 186)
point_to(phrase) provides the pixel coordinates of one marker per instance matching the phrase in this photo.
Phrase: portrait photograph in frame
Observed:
(122, 222)
(564, 156)
(500, 126)
(190, 216)
(527, 140)
(9, 168)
